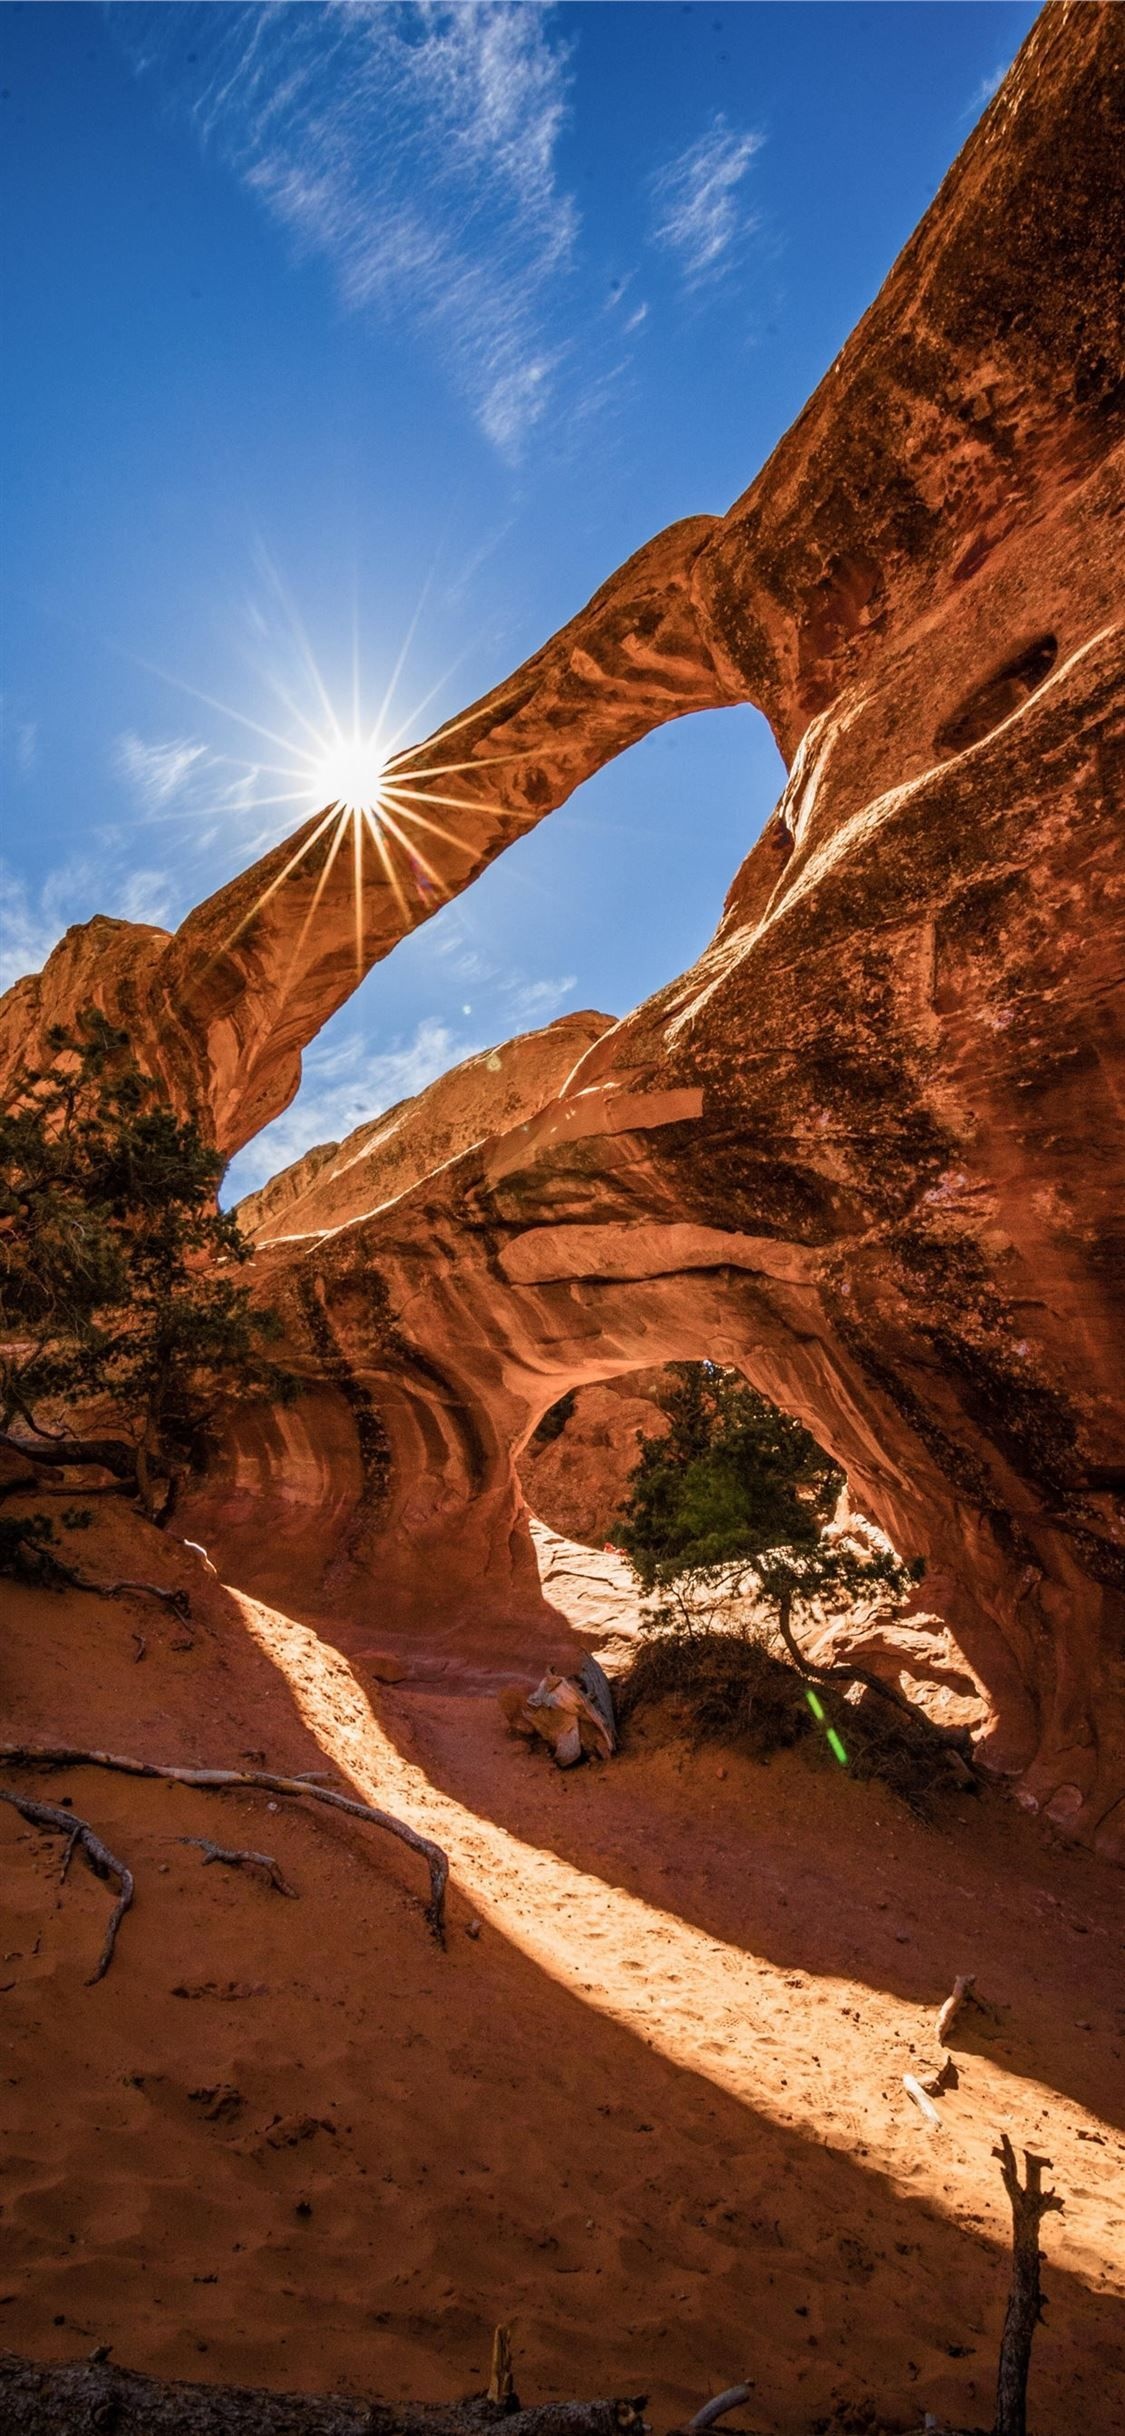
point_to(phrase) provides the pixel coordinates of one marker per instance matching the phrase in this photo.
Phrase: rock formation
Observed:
(867, 1149)
(340, 1181)
(576, 1477)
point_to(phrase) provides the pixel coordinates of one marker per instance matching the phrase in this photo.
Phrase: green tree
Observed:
(125, 1334)
(736, 1487)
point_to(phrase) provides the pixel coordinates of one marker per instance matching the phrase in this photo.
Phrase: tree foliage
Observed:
(122, 1317)
(736, 1486)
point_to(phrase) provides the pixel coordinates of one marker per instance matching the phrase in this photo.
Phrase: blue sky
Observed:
(326, 321)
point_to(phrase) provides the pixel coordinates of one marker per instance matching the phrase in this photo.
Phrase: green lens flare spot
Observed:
(817, 1707)
(836, 1747)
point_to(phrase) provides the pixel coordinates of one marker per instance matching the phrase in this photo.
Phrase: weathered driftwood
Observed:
(97, 1856)
(915, 2090)
(235, 1858)
(239, 1780)
(94, 2395)
(962, 1995)
(1030, 2203)
(717, 2408)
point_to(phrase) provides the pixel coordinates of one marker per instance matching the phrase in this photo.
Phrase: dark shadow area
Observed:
(481, 2138)
(793, 1862)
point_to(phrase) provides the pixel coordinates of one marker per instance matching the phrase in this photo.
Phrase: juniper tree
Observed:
(125, 1332)
(735, 1486)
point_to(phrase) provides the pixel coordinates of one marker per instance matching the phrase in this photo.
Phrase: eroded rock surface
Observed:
(868, 1149)
(487, 1094)
(575, 1477)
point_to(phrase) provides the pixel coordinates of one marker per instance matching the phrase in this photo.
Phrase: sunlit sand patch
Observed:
(756, 2031)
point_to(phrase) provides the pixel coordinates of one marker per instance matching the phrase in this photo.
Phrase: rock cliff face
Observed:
(868, 1148)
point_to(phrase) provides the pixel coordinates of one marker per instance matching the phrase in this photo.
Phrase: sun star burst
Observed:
(350, 774)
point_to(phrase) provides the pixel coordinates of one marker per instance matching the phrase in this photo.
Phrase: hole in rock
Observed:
(574, 1470)
(730, 1512)
(577, 1466)
(999, 696)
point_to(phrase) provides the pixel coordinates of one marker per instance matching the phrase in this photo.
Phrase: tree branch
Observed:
(234, 1780)
(235, 1858)
(835, 1674)
(113, 1454)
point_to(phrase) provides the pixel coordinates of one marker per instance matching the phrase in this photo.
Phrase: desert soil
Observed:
(647, 2107)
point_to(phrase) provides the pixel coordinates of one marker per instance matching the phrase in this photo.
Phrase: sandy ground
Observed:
(647, 2107)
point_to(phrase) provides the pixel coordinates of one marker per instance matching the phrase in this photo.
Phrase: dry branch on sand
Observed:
(55, 2401)
(235, 1858)
(239, 1780)
(97, 1856)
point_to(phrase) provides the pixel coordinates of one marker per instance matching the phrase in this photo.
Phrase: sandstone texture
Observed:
(576, 1478)
(868, 1150)
(341, 1181)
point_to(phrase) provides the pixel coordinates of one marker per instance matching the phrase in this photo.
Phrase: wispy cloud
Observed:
(19, 737)
(535, 1002)
(413, 148)
(514, 1001)
(988, 87)
(180, 782)
(147, 896)
(158, 772)
(701, 217)
(33, 919)
(345, 1085)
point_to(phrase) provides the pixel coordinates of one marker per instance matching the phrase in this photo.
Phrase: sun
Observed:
(370, 806)
(349, 775)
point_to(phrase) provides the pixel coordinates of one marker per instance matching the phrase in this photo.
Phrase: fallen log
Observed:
(239, 1780)
(38, 2400)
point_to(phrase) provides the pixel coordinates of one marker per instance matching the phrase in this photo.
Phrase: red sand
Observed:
(652, 2114)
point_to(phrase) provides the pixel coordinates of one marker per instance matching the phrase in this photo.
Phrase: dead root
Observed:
(237, 1780)
(235, 1858)
(97, 1856)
